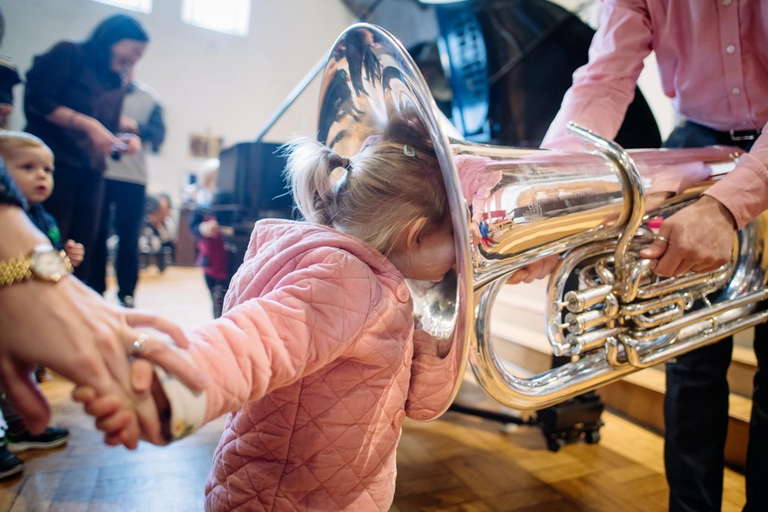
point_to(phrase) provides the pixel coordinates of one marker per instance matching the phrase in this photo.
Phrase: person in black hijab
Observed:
(9, 78)
(72, 101)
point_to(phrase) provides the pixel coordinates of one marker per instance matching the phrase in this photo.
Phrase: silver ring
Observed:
(138, 345)
(661, 238)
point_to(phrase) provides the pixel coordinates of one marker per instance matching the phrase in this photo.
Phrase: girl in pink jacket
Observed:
(313, 358)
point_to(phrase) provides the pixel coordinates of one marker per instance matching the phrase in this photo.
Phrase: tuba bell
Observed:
(593, 209)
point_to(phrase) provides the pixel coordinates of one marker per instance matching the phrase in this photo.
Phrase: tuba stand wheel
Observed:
(572, 420)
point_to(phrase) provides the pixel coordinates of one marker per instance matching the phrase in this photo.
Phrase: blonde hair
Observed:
(375, 194)
(13, 140)
(208, 171)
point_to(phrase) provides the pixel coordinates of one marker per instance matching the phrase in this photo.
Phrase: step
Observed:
(741, 373)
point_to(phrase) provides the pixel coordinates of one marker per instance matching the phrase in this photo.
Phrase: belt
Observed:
(741, 135)
(733, 135)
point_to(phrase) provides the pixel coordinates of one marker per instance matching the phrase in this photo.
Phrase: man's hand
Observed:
(698, 238)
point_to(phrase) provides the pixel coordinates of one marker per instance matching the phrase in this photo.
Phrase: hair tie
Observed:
(408, 150)
(338, 169)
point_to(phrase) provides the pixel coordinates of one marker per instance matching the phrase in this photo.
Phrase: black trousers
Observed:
(123, 208)
(696, 403)
(76, 205)
(218, 289)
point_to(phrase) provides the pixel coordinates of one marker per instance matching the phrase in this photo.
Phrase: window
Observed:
(133, 5)
(228, 16)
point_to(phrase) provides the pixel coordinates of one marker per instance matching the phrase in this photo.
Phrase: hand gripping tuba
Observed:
(511, 207)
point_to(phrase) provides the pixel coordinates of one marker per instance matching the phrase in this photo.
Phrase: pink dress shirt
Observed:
(713, 62)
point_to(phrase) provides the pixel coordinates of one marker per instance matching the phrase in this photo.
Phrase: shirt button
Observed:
(397, 422)
(730, 48)
(402, 293)
(727, 2)
(735, 90)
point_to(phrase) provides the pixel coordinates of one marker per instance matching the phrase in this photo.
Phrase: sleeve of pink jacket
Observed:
(432, 377)
(266, 343)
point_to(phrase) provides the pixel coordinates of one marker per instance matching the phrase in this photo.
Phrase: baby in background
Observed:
(316, 357)
(30, 163)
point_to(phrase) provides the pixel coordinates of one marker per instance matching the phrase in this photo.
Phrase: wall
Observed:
(226, 85)
(208, 82)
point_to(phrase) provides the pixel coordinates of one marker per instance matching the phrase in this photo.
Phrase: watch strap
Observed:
(15, 270)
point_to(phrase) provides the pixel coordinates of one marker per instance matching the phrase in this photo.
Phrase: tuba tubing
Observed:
(510, 207)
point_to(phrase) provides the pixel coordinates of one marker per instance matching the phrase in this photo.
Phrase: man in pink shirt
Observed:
(713, 61)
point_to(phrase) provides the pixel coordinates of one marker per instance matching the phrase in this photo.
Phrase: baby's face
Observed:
(32, 170)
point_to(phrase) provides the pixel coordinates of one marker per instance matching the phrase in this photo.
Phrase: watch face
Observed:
(49, 265)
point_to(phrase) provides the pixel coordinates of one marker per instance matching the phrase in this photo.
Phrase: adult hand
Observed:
(102, 139)
(128, 125)
(539, 269)
(132, 143)
(6, 109)
(698, 238)
(70, 329)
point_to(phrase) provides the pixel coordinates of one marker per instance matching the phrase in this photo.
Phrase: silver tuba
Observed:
(510, 207)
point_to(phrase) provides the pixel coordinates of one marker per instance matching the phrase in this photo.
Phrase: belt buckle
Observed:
(745, 135)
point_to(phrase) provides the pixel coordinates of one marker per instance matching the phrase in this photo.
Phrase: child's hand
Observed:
(75, 252)
(114, 417)
(209, 228)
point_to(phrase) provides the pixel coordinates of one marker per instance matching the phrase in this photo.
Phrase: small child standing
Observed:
(212, 254)
(316, 357)
(30, 163)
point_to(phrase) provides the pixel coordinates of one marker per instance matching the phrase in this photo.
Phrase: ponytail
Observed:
(316, 175)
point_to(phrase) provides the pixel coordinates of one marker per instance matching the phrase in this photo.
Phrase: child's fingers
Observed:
(83, 394)
(104, 406)
(150, 421)
(129, 437)
(114, 423)
(112, 439)
(141, 376)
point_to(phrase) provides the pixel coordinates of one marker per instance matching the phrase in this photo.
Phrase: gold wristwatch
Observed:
(44, 263)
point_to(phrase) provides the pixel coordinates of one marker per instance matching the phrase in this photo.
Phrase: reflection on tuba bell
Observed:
(510, 207)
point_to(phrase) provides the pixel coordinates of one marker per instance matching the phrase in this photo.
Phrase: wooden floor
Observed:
(454, 464)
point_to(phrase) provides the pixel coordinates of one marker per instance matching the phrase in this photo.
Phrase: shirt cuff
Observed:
(744, 191)
(187, 406)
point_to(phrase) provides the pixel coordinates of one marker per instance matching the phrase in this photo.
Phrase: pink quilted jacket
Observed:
(314, 361)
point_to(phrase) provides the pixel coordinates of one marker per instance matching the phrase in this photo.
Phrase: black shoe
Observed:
(52, 438)
(127, 301)
(10, 464)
